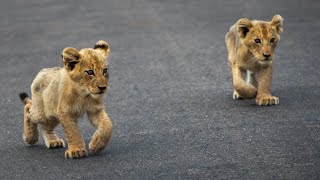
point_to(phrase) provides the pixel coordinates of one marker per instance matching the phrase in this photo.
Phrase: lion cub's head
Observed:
(260, 37)
(87, 68)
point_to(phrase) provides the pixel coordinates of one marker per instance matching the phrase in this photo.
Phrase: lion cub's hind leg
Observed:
(30, 129)
(236, 95)
(243, 89)
(52, 141)
(251, 78)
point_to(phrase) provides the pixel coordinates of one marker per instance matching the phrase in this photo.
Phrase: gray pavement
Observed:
(170, 93)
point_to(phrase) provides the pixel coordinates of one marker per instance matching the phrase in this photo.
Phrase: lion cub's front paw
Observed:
(75, 152)
(97, 146)
(267, 100)
(31, 139)
(59, 143)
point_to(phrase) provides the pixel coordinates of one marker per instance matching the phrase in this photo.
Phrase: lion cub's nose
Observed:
(267, 55)
(102, 88)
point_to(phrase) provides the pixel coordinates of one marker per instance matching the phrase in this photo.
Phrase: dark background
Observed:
(170, 96)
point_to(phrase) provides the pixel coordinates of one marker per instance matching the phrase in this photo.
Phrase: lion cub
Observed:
(251, 46)
(62, 95)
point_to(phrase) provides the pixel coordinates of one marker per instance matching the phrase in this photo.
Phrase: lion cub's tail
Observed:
(25, 98)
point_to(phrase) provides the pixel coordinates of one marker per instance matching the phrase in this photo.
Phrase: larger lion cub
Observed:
(62, 95)
(251, 46)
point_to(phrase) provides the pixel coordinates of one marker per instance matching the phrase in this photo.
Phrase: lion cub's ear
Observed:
(277, 22)
(243, 26)
(70, 57)
(103, 48)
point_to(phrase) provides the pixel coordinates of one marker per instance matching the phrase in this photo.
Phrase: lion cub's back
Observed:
(48, 77)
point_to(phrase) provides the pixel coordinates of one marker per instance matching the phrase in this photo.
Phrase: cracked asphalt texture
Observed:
(170, 95)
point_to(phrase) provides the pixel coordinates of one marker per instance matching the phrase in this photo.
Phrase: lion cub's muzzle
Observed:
(98, 89)
(265, 57)
(102, 88)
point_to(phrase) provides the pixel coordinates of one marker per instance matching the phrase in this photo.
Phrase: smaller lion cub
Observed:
(251, 46)
(62, 95)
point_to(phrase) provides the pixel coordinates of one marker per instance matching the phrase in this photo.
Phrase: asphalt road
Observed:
(170, 96)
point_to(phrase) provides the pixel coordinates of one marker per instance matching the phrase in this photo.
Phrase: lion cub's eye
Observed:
(272, 40)
(258, 41)
(105, 71)
(90, 72)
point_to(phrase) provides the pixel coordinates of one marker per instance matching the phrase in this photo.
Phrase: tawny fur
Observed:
(251, 46)
(62, 95)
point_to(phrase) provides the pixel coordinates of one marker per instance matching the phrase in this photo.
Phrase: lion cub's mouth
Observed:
(266, 59)
(99, 93)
